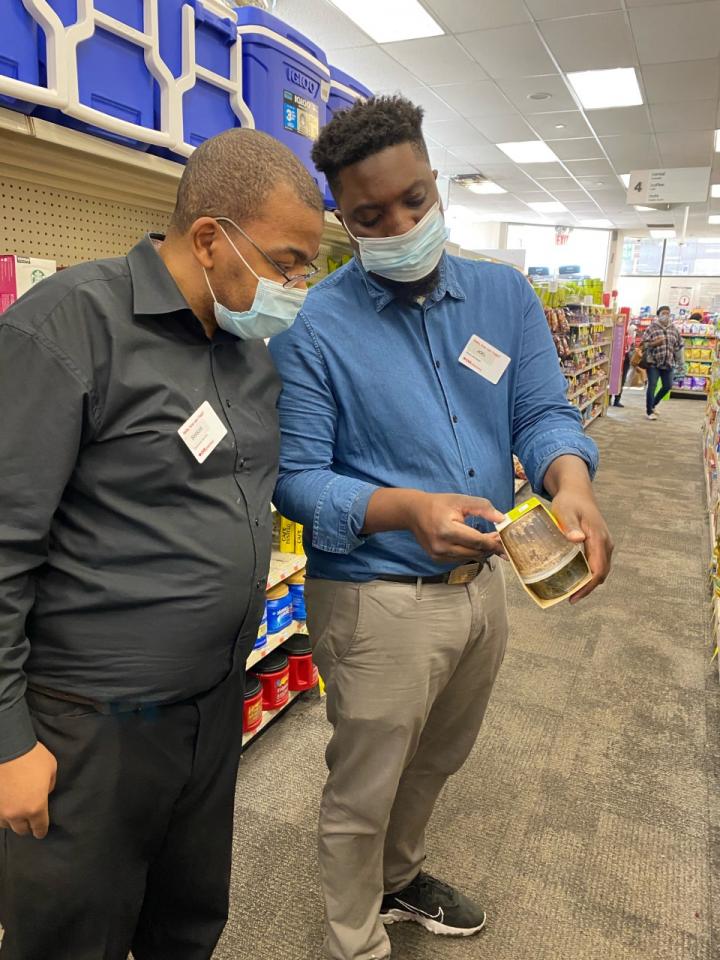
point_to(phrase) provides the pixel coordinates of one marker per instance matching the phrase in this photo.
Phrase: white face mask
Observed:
(410, 256)
(274, 307)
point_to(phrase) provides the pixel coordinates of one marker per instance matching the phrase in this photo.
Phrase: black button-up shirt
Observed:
(129, 572)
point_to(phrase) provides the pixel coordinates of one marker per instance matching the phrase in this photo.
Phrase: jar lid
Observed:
(278, 592)
(272, 663)
(252, 686)
(296, 578)
(297, 646)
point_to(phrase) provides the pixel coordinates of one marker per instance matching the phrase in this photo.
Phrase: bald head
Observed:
(233, 174)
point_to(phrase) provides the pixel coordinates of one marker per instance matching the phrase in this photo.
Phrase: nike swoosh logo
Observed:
(431, 916)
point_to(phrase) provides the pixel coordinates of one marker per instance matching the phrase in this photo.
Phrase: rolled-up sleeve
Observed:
(43, 402)
(310, 489)
(545, 425)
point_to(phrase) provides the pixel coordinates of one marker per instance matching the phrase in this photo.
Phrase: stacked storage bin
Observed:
(286, 82)
(115, 73)
(199, 44)
(344, 92)
(25, 82)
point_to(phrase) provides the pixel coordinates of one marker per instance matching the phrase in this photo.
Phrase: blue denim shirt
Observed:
(374, 396)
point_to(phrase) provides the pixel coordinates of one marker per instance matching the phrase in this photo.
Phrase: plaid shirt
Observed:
(662, 345)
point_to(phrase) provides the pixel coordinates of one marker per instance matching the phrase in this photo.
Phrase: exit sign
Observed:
(679, 185)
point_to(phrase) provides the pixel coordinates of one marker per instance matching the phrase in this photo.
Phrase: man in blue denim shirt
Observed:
(410, 378)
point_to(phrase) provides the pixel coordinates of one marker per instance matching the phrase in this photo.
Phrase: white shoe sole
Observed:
(440, 929)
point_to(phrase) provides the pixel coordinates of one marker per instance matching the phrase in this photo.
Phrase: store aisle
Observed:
(586, 820)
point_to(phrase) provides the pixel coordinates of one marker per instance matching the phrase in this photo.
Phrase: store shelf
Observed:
(590, 346)
(592, 366)
(274, 641)
(284, 565)
(679, 392)
(593, 418)
(586, 386)
(269, 716)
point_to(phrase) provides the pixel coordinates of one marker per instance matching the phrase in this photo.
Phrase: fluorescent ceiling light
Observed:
(717, 141)
(715, 190)
(597, 223)
(714, 218)
(386, 22)
(487, 187)
(662, 234)
(625, 177)
(646, 210)
(528, 151)
(548, 206)
(600, 89)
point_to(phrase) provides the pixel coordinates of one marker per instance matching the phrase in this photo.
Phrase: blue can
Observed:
(262, 631)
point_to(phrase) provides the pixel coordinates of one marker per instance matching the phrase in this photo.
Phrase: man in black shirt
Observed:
(138, 456)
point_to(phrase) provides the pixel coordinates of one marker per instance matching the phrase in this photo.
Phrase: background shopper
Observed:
(662, 345)
(133, 564)
(403, 401)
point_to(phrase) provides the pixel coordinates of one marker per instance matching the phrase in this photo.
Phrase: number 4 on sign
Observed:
(638, 187)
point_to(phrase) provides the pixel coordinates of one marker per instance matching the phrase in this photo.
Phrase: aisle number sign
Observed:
(679, 185)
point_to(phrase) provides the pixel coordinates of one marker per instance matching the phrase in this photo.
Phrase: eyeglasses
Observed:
(290, 281)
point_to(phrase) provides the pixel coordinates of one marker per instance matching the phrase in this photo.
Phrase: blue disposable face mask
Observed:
(410, 256)
(274, 307)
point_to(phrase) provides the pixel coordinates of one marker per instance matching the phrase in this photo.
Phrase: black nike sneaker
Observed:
(434, 905)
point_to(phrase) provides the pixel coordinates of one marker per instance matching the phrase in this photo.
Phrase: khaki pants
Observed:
(409, 671)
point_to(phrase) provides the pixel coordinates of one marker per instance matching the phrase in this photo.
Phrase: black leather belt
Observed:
(458, 576)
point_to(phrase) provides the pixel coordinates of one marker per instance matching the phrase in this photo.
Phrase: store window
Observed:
(583, 253)
(695, 258)
(642, 257)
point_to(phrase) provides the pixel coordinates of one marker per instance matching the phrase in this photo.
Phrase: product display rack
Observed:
(699, 340)
(711, 457)
(583, 340)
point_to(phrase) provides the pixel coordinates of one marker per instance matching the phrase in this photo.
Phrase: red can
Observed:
(253, 709)
(303, 672)
(274, 674)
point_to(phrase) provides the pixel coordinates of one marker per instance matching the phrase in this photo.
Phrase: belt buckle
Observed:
(464, 574)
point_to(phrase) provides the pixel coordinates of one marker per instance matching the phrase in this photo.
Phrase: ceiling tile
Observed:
(550, 9)
(475, 99)
(632, 152)
(591, 43)
(509, 51)
(462, 15)
(683, 117)
(556, 183)
(566, 196)
(586, 207)
(436, 110)
(519, 90)
(541, 171)
(322, 21)
(532, 196)
(689, 150)
(590, 168)
(583, 148)
(686, 80)
(479, 155)
(606, 123)
(373, 67)
(684, 31)
(455, 133)
(573, 125)
(503, 129)
(597, 184)
(436, 60)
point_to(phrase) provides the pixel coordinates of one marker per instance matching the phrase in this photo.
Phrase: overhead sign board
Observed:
(678, 185)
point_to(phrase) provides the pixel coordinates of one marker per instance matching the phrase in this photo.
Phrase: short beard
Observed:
(410, 292)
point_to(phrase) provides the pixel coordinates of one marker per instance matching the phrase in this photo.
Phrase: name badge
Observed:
(485, 359)
(202, 432)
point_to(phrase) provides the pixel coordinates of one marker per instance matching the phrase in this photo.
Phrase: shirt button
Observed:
(259, 584)
(228, 403)
(241, 463)
(239, 500)
(437, 364)
(257, 522)
(471, 472)
(455, 419)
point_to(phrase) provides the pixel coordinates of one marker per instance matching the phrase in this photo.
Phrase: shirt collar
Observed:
(448, 283)
(154, 290)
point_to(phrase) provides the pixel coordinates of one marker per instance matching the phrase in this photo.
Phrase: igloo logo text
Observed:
(303, 81)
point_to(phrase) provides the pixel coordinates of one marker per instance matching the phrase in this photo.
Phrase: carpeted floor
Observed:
(587, 820)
